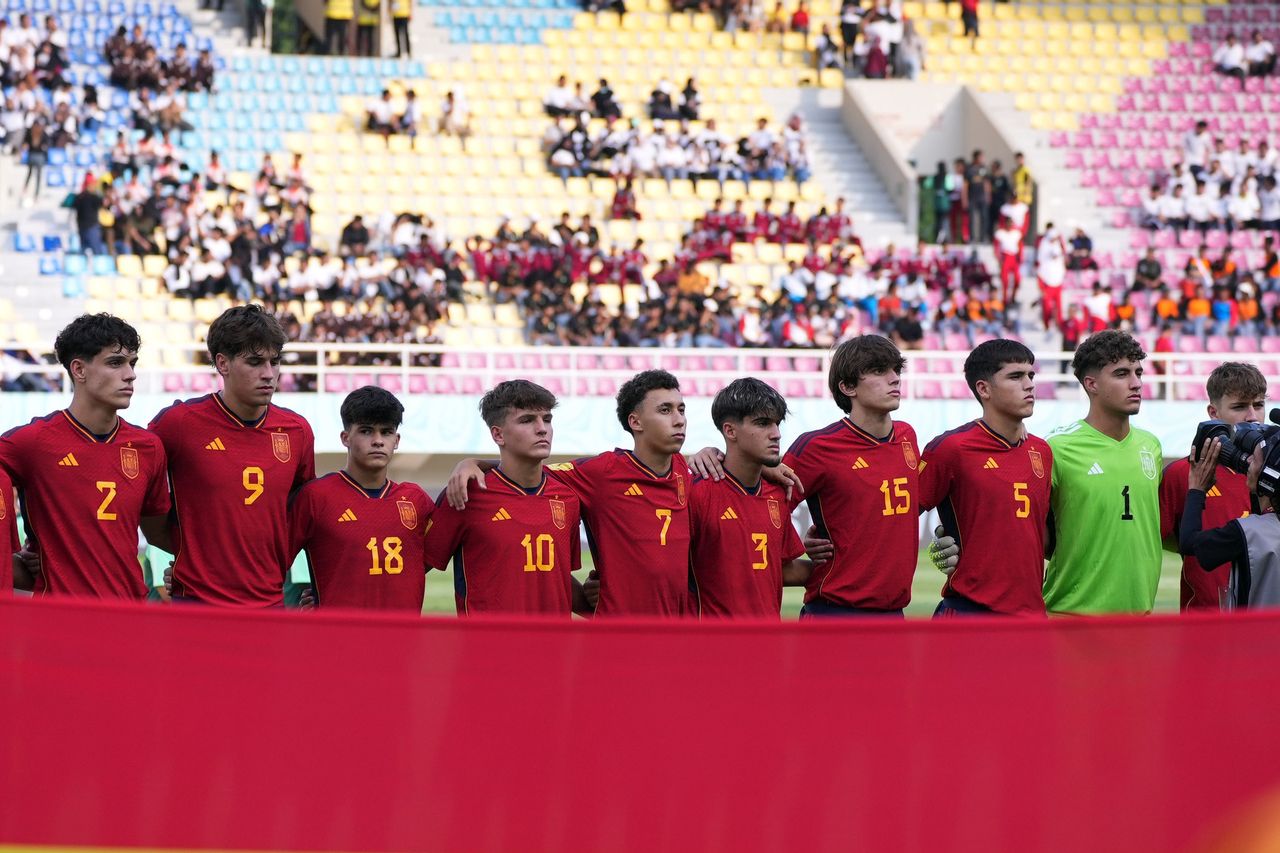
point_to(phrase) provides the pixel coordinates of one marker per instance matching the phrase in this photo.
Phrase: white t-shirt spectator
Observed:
(381, 111)
(1259, 51)
(761, 139)
(1229, 56)
(1243, 208)
(1196, 147)
(1152, 207)
(1098, 304)
(1051, 264)
(1269, 202)
(1173, 207)
(177, 277)
(796, 283)
(1015, 211)
(1007, 240)
(1201, 208)
(560, 97)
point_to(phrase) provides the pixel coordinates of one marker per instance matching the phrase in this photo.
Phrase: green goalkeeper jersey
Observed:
(1106, 517)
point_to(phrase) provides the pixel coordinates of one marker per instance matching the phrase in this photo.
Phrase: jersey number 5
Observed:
(1022, 499)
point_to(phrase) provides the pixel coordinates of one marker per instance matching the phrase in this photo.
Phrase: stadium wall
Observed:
(450, 424)
(199, 728)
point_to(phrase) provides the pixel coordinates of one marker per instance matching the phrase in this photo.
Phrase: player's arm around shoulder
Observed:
(935, 472)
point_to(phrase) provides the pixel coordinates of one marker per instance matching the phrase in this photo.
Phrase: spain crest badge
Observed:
(680, 496)
(1037, 463)
(129, 462)
(775, 513)
(408, 514)
(280, 446)
(909, 454)
(558, 515)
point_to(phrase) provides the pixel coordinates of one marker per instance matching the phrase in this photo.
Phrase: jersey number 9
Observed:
(254, 482)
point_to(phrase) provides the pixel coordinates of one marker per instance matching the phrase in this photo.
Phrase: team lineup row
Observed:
(226, 483)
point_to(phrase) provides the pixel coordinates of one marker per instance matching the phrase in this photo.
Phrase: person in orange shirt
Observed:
(1248, 309)
(1224, 269)
(1197, 312)
(1166, 309)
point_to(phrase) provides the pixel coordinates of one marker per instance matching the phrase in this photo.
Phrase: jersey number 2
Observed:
(104, 508)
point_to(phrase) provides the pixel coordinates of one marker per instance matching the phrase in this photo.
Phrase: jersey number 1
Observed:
(1126, 515)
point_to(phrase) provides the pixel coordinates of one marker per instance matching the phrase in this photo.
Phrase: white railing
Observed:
(590, 371)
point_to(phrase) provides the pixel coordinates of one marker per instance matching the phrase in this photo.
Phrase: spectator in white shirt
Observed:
(381, 115)
(1243, 209)
(1152, 214)
(1269, 204)
(1196, 145)
(1265, 159)
(1260, 55)
(672, 160)
(407, 121)
(558, 100)
(1201, 211)
(1228, 59)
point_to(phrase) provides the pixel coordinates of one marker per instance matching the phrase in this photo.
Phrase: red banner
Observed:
(168, 727)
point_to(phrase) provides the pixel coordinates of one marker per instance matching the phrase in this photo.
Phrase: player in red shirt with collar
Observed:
(87, 478)
(9, 544)
(234, 460)
(634, 502)
(362, 533)
(516, 542)
(861, 482)
(1237, 394)
(744, 546)
(990, 481)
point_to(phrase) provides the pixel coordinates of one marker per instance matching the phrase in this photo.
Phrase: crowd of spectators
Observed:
(1214, 187)
(40, 110)
(972, 198)
(620, 148)
(384, 116)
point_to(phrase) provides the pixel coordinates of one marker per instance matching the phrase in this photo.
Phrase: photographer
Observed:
(1237, 393)
(1250, 544)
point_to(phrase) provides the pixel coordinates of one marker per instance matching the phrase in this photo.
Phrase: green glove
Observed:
(944, 551)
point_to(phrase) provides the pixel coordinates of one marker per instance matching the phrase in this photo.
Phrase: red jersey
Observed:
(82, 499)
(8, 531)
(863, 494)
(513, 549)
(1226, 501)
(365, 549)
(231, 483)
(741, 539)
(993, 497)
(637, 525)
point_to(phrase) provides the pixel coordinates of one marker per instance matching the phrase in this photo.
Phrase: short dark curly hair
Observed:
(502, 398)
(1104, 348)
(245, 329)
(635, 389)
(89, 334)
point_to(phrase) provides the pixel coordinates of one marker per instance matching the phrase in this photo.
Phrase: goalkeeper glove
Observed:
(944, 551)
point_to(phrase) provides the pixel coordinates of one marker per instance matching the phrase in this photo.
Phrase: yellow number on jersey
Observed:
(104, 508)
(1023, 501)
(899, 493)
(391, 562)
(536, 558)
(254, 483)
(665, 515)
(761, 541)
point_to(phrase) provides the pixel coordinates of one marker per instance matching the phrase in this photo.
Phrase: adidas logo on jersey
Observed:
(68, 461)
(729, 515)
(1214, 493)
(347, 515)
(990, 463)
(501, 515)
(1095, 469)
(633, 490)
(216, 444)
(860, 463)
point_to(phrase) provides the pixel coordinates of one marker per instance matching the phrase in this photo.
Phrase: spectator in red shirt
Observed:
(969, 15)
(800, 19)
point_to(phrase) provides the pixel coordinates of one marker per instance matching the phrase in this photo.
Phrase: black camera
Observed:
(1238, 444)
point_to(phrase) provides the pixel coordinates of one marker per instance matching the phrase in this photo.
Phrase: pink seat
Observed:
(1218, 343)
(418, 384)
(336, 384)
(442, 383)
(1244, 343)
(361, 379)
(391, 382)
(173, 383)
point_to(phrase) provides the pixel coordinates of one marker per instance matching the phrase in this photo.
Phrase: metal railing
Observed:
(590, 371)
